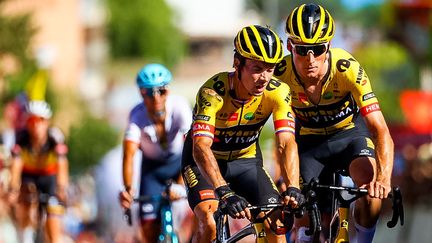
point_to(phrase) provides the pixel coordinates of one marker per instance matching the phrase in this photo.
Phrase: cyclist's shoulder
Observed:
(56, 135)
(343, 62)
(276, 89)
(214, 90)
(219, 83)
(284, 69)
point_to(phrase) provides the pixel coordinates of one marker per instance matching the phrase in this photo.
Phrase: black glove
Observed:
(232, 203)
(295, 193)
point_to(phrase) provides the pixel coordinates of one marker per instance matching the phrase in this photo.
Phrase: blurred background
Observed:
(82, 57)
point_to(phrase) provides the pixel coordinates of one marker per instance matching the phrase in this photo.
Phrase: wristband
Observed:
(224, 192)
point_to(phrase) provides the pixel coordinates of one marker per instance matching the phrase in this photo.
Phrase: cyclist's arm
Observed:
(63, 167)
(287, 157)
(16, 170)
(206, 161)
(63, 172)
(384, 147)
(129, 150)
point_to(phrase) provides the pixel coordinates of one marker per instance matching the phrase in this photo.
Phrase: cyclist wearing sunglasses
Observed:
(222, 161)
(338, 118)
(156, 127)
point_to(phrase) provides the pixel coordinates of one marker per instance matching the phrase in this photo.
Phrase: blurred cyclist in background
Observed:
(39, 165)
(156, 127)
(338, 117)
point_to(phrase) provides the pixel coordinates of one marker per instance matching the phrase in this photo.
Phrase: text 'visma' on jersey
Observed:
(345, 92)
(235, 126)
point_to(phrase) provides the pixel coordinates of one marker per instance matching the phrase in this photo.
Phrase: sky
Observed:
(359, 3)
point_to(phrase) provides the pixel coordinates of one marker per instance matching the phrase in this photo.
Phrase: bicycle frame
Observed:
(341, 206)
(167, 233)
(255, 227)
(167, 229)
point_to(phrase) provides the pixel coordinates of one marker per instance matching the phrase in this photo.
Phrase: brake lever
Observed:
(398, 210)
(128, 216)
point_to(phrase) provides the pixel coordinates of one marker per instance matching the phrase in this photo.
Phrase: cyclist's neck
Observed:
(236, 86)
(37, 142)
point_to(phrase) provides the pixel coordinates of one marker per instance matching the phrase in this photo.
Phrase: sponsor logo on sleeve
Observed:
(368, 96)
(190, 177)
(207, 194)
(202, 117)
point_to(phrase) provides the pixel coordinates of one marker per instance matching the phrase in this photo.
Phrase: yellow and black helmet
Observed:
(310, 24)
(259, 43)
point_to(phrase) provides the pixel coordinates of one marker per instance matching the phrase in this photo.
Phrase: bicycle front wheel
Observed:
(168, 238)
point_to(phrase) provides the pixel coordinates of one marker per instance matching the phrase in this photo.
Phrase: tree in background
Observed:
(17, 66)
(88, 141)
(144, 29)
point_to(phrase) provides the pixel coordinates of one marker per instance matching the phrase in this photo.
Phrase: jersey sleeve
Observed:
(361, 89)
(283, 119)
(208, 103)
(59, 140)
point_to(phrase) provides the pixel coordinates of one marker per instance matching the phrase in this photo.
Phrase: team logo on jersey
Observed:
(273, 84)
(365, 152)
(328, 95)
(190, 177)
(272, 200)
(202, 117)
(249, 116)
(364, 82)
(280, 68)
(368, 96)
(370, 108)
(207, 194)
(359, 75)
(233, 116)
(302, 97)
(219, 87)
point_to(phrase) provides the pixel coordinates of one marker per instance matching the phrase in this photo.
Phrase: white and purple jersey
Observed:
(141, 128)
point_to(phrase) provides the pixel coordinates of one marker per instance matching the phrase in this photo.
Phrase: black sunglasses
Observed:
(316, 50)
(154, 91)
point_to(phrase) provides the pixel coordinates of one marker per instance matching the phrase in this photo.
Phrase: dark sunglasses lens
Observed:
(316, 49)
(153, 92)
(301, 50)
(319, 49)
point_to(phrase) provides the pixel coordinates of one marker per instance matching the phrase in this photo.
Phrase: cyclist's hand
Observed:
(177, 192)
(235, 205)
(293, 197)
(126, 198)
(12, 196)
(378, 189)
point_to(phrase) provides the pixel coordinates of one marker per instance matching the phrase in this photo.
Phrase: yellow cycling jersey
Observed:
(44, 162)
(235, 125)
(345, 92)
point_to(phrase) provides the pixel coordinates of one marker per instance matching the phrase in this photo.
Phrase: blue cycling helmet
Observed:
(153, 75)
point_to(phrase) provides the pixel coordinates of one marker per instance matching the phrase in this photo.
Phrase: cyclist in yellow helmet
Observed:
(338, 118)
(222, 160)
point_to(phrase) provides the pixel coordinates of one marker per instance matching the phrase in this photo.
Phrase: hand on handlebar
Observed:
(126, 198)
(377, 189)
(293, 197)
(235, 205)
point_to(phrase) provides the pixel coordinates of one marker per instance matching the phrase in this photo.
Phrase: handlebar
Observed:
(395, 195)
